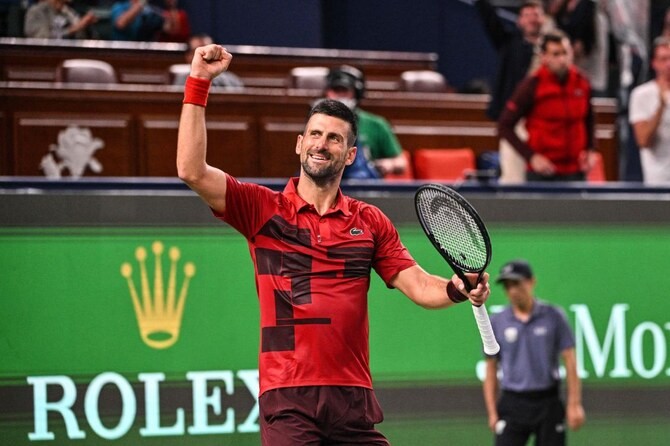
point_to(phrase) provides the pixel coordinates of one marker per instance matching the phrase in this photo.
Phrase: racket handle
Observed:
(491, 346)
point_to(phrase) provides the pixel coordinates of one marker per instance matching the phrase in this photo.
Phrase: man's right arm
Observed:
(490, 388)
(207, 181)
(645, 129)
(493, 25)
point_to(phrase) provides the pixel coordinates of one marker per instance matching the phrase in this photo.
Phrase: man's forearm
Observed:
(192, 143)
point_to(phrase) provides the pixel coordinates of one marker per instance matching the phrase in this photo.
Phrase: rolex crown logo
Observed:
(158, 316)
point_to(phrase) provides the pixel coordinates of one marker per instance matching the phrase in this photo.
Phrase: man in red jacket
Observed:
(556, 102)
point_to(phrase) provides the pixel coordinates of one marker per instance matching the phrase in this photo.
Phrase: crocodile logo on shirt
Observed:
(356, 231)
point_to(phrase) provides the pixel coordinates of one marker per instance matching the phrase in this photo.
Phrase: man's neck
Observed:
(523, 310)
(321, 196)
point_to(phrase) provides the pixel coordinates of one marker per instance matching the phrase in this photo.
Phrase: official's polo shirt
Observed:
(529, 351)
(312, 277)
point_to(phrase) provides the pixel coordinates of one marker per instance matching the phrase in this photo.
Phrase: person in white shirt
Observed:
(649, 114)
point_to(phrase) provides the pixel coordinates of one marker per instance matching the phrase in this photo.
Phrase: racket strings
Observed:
(454, 229)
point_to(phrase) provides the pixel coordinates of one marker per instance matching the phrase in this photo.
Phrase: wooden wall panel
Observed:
(278, 138)
(416, 135)
(251, 133)
(231, 145)
(37, 137)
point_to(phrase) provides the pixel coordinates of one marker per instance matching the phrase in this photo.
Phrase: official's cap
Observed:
(515, 270)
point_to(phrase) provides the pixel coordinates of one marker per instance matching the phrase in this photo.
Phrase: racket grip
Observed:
(491, 346)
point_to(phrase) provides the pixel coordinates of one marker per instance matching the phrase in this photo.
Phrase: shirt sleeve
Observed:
(641, 108)
(391, 256)
(388, 141)
(248, 206)
(497, 32)
(518, 106)
(36, 24)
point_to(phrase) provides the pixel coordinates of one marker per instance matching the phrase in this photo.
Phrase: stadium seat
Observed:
(308, 77)
(177, 73)
(597, 173)
(443, 164)
(409, 172)
(423, 81)
(85, 71)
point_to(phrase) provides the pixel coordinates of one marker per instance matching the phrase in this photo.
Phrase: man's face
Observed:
(193, 43)
(347, 96)
(530, 21)
(519, 292)
(324, 148)
(557, 57)
(661, 62)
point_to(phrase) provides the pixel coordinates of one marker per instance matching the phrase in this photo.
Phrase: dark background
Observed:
(450, 28)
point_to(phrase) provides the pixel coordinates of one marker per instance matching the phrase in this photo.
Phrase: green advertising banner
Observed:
(135, 335)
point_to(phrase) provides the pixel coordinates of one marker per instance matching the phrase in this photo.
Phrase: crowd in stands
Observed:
(126, 20)
(607, 42)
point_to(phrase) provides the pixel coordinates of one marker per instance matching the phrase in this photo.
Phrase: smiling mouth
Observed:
(319, 156)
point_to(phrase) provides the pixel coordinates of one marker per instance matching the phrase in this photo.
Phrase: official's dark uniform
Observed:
(529, 360)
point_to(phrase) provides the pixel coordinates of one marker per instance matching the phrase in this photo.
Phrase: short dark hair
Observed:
(531, 4)
(659, 42)
(336, 109)
(554, 36)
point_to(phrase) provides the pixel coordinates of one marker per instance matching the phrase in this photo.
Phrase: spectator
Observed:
(532, 335)
(313, 250)
(53, 19)
(376, 139)
(516, 49)
(227, 79)
(135, 20)
(176, 26)
(577, 18)
(665, 30)
(556, 104)
(649, 115)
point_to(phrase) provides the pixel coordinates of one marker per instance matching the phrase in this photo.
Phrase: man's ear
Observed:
(351, 155)
(298, 145)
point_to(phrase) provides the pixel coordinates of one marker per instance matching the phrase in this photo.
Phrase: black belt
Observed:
(544, 393)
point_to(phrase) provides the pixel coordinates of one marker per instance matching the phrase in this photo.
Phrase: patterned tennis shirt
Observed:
(312, 278)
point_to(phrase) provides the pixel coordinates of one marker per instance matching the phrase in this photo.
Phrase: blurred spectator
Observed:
(135, 20)
(650, 117)
(376, 139)
(665, 30)
(556, 102)
(226, 79)
(578, 19)
(516, 50)
(176, 26)
(53, 19)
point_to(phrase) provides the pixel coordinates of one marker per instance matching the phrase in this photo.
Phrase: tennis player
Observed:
(533, 335)
(313, 249)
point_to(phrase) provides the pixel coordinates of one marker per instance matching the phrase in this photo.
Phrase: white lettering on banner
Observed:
(585, 335)
(614, 344)
(202, 401)
(152, 407)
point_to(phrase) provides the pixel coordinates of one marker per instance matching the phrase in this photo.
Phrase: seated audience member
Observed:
(53, 19)
(176, 26)
(226, 79)
(556, 103)
(376, 139)
(649, 114)
(135, 20)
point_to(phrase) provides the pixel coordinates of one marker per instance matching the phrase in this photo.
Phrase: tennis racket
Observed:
(455, 229)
